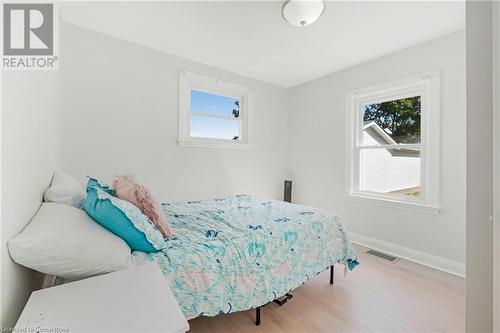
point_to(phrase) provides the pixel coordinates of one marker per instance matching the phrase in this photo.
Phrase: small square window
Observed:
(213, 113)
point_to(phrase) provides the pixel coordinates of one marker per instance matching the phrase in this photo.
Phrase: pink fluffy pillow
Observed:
(128, 189)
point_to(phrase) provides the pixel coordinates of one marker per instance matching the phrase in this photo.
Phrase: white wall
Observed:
(316, 146)
(120, 104)
(479, 296)
(30, 153)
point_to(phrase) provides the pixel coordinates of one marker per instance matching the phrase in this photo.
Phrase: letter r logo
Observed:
(28, 29)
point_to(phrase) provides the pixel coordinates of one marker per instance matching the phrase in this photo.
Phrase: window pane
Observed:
(392, 122)
(213, 104)
(215, 128)
(390, 171)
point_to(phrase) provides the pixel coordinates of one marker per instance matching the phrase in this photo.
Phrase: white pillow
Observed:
(65, 190)
(64, 241)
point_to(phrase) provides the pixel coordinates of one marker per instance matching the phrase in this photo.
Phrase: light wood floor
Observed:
(378, 296)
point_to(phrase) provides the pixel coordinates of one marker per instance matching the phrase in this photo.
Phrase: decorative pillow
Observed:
(64, 241)
(127, 188)
(93, 182)
(65, 190)
(124, 220)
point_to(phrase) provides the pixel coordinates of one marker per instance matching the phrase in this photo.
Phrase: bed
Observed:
(228, 254)
(242, 252)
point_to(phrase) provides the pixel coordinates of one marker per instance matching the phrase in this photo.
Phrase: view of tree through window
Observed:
(399, 118)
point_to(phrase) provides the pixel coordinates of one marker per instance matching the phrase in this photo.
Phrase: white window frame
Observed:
(428, 87)
(191, 81)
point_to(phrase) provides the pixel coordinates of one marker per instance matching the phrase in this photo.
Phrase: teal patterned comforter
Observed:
(241, 252)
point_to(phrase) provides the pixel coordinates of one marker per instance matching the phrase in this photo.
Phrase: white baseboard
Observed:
(422, 258)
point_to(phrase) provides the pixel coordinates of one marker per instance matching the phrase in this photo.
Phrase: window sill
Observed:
(222, 144)
(414, 206)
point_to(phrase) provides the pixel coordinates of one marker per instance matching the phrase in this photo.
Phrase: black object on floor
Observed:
(287, 196)
(283, 299)
(257, 316)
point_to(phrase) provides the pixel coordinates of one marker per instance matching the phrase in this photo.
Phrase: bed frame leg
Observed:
(331, 274)
(257, 316)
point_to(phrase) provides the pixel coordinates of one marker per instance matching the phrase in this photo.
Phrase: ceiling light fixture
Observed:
(301, 13)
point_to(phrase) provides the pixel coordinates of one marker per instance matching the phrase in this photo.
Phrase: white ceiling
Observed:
(252, 39)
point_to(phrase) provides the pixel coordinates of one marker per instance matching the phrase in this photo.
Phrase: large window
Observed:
(212, 113)
(394, 143)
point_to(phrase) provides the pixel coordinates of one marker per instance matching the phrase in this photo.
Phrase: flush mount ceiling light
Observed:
(301, 13)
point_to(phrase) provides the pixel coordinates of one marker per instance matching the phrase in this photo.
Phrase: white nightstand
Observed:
(133, 300)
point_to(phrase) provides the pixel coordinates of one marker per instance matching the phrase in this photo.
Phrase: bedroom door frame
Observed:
(481, 177)
(496, 166)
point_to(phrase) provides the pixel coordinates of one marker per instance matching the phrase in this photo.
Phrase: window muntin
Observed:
(215, 116)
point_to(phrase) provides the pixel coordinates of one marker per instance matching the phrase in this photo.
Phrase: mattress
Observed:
(241, 252)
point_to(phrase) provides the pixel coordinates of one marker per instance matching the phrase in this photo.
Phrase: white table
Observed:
(133, 300)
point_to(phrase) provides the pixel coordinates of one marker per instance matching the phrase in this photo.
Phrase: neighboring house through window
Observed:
(393, 143)
(213, 113)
